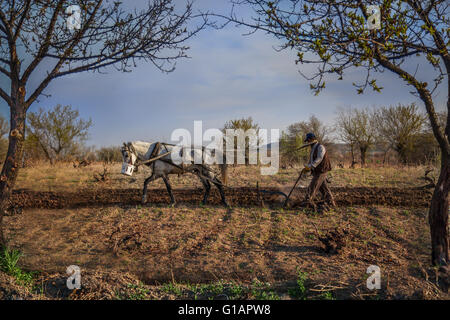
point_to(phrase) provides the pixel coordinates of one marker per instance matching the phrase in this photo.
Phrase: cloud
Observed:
(228, 76)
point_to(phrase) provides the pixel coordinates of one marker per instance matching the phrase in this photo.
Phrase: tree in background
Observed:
(251, 140)
(358, 129)
(425, 148)
(37, 43)
(292, 139)
(59, 133)
(399, 126)
(32, 151)
(346, 129)
(334, 36)
(289, 149)
(301, 128)
(109, 154)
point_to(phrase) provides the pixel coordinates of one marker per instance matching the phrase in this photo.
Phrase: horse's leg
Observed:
(169, 188)
(222, 194)
(207, 187)
(219, 186)
(146, 182)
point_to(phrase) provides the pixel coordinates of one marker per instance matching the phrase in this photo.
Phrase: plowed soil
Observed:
(242, 196)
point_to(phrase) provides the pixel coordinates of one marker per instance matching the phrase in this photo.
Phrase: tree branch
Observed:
(5, 97)
(22, 19)
(45, 44)
(424, 94)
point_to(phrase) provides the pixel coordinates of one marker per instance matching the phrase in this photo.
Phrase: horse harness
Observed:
(154, 156)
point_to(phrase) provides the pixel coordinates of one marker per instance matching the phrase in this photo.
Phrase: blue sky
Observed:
(227, 76)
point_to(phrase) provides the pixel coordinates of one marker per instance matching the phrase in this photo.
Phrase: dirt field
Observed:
(64, 177)
(129, 251)
(236, 197)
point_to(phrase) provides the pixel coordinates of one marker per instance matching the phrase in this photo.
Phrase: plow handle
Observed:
(296, 182)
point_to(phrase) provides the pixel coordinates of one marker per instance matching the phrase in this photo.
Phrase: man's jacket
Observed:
(318, 159)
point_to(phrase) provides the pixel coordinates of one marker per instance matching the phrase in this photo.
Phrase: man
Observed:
(319, 165)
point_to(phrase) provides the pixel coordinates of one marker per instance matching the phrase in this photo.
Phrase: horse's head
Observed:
(129, 158)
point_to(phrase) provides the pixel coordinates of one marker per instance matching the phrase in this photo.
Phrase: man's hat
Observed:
(310, 136)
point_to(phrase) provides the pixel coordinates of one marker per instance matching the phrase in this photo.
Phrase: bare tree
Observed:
(251, 137)
(346, 131)
(398, 126)
(292, 139)
(334, 36)
(357, 128)
(321, 131)
(58, 132)
(35, 36)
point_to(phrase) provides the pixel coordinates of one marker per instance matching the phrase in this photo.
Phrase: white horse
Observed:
(138, 153)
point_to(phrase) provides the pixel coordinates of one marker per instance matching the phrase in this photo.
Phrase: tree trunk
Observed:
(402, 153)
(438, 216)
(385, 156)
(363, 156)
(353, 156)
(13, 157)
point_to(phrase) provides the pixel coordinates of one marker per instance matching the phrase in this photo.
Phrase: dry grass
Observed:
(64, 177)
(154, 251)
(206, 244)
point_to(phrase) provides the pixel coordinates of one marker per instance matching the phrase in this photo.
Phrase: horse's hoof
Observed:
(172, 205)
